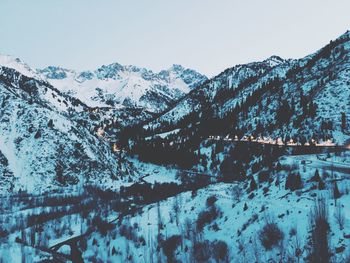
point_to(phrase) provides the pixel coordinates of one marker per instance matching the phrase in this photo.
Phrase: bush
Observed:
(211, 200)
(263, 176)
(319, 233)
(206, 217)
(339, 216)
(336, 192)
(293, 182)
(102, 226)
(3, 232)
(201, 251)
(270, 235)
(170, 245)
(220, 251)
(253, 186)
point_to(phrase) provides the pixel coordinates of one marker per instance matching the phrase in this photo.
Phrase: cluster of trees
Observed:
(163, 151)
(150, 193)
(239, 160)
(308, 107)
(287, 109)
(228, 92)
(195, 127)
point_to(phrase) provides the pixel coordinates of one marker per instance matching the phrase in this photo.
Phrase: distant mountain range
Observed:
(116, 85)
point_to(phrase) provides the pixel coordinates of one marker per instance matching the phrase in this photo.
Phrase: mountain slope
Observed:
(301, 99)
(44, 142)
(207, 95)
(237, 223)
(18, 65)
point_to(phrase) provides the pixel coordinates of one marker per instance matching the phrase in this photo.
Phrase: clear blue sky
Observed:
(207, 35)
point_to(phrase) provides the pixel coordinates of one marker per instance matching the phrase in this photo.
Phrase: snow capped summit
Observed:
(177, 72)
(52, 72)
(17, 64)
(274, 61)
(114, 84)
(109, 71)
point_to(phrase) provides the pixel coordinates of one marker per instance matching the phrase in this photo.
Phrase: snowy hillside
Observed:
(264, 221)
(236, 78)
(43, 141)
(289, 99)
(114, 85)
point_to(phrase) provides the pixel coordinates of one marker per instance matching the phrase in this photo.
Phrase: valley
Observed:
(123, 164)
(53, 226)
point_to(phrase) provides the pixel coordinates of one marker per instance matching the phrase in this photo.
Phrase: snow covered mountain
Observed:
(115, 85)
(299, 99)
(236, 78)
(18, 65)
(45, 139)
(205, 188)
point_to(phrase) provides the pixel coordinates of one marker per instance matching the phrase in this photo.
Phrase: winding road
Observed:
(311, 160)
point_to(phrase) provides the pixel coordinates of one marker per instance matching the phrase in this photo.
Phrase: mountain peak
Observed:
(176, 67)
(109, 71)
(274, 60)
(18, 65)
(55, 72)
(346, 35)
(113, 83)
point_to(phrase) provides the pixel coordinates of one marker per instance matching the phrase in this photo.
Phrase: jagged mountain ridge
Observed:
(115, 85)
(236, 77)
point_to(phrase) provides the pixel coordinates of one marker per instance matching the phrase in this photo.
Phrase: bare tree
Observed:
(255, 249)
(319, 233)
(242, 249)
(282, 250)
(339, 215)
(159, 221)
(297, 246)
(176, 209)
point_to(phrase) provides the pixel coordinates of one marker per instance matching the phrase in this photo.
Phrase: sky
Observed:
(206, 35)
